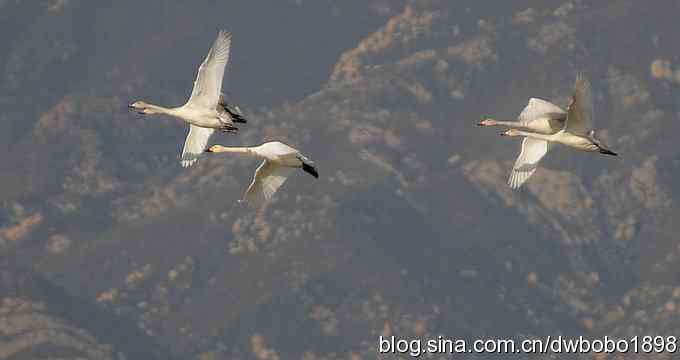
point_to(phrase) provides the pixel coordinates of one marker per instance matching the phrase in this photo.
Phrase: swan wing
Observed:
(538, 108)
(195, 144)
(268, 178)
(580, 112)
(277, 148)
(532, 152)
(208, 84)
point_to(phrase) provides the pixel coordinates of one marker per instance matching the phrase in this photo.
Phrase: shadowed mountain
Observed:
(410, 230)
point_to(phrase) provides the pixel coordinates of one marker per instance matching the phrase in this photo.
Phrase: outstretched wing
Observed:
(532, 152)
(208, 84)
(267, 180)
(537, 108)
(580, 112)
(195, 144)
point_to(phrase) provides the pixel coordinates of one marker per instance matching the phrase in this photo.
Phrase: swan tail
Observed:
(310, 169)
(607, 152)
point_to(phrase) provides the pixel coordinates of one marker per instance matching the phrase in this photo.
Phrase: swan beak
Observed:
(133, 107)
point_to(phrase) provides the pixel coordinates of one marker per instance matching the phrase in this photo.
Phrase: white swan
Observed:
(538, 116)
(280, 160)
(206, 109)
(577, 133)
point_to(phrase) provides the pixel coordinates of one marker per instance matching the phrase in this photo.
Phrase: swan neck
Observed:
(156, 109)
(235, 149)
(510, 124)
(535, 135)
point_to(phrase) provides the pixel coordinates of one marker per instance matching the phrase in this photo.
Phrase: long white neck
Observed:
(510, 124)
(155, 109)
(235, 150)
(539, 136)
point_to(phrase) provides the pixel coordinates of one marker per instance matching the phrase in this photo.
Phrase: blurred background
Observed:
(110, 250)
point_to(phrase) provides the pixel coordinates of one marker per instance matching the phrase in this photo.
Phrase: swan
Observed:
(538, 116)
(577, 133)
(207, 109)
(280, 160)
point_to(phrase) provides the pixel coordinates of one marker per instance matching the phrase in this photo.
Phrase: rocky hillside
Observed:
(110, 250)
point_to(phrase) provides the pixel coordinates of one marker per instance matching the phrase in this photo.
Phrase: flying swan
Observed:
(576, 133)
(538, 116)
(280, 160)
(206, 109)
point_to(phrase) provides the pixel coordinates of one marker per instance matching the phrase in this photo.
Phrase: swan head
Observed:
(138, 105)
(510, 132)
(487, 122)
(141, 107)
(214, 149)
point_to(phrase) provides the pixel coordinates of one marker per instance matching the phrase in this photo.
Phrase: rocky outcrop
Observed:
(411, 230)
(29, 332)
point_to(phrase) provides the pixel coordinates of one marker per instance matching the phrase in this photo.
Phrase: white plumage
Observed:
(575, 133)
(543, 117)
(280, 160)
(538, 116)
(206, 109)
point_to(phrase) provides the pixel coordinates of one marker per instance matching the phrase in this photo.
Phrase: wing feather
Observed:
(526, 164)
(580, 112)
(208, 84)
(195, 144)
(537, 108)
(267, 180)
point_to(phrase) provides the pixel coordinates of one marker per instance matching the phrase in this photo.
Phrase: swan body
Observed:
(207, 109)
(579, 142)
(576, 133)
(280, 160)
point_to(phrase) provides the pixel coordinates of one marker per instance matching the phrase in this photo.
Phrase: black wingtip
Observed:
(229, 129)
(234, 112)
(240, 119)
(310, 170)
(608, 152)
